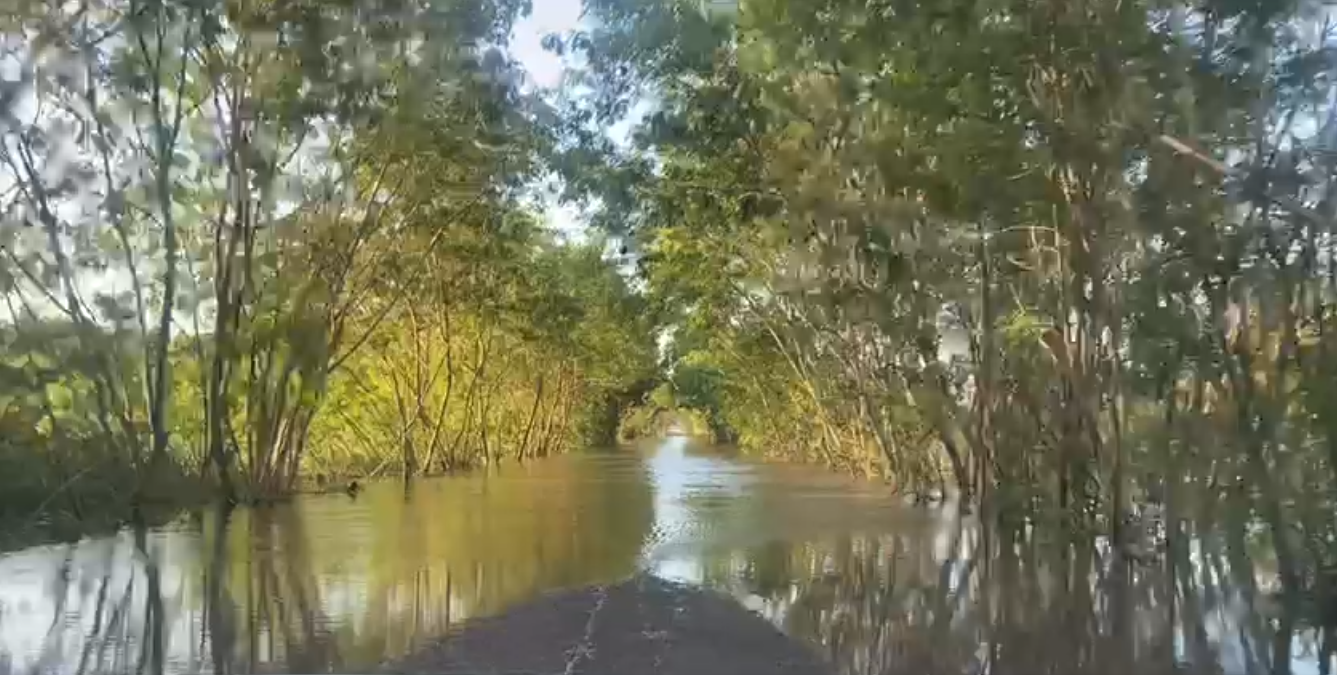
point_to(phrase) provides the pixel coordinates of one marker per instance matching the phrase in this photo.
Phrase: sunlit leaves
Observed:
(968, 215)
(261, 189)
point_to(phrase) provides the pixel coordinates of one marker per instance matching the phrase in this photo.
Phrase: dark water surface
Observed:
(333, 584)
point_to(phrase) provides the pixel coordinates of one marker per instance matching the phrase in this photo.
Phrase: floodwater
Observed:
(335, 584)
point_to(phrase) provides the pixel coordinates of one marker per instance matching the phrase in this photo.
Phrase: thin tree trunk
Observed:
(529, 426)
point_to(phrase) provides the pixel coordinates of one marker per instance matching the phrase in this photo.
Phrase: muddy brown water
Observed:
(853, 575)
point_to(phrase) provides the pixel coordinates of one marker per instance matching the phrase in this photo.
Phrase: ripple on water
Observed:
(329, 583)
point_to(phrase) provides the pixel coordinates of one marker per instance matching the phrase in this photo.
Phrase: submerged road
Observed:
(641, 626)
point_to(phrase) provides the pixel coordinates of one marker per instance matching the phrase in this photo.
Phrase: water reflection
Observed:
(326, 583)
(334, 584)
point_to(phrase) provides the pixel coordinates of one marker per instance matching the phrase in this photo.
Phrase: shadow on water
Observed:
(329, 584)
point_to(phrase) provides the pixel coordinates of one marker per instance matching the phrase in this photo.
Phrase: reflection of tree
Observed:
(874, 606)
(151, 651)
(1006, 604)
(265, 605)
(107, 611)
(219, 627)
(331, 583)
(426, 559)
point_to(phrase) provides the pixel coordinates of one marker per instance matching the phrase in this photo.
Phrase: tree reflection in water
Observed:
(324, 584)
(1014, 603)
(330, 584)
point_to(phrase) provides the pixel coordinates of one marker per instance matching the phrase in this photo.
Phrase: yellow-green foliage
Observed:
(499, 360)
(958, 247)
(641, 422)
(250, 294)
(453, 383)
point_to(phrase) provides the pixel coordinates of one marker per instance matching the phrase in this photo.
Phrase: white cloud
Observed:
(544, 72)
(548, 16)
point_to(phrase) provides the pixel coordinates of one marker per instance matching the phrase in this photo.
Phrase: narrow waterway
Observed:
(331, 583)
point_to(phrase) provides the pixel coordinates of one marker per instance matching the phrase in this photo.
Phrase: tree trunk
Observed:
(529, 426)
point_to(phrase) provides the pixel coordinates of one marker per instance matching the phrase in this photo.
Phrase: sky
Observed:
(545, 72)
(548, 16)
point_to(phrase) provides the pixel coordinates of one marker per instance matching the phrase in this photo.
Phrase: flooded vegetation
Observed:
(1017, 318)
(867, 583)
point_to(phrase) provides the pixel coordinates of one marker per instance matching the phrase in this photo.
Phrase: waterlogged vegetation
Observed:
(1071, 262)
(1066, 258)
(253, 244)
(328, 584)
(1044, 248)
(321, 583)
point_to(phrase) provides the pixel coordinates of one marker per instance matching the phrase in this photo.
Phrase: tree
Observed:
(987, 237)
(235, 207)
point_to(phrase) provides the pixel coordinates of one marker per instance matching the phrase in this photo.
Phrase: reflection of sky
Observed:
(675, 477)
(694, 493)
(711, 514)
(34, 607)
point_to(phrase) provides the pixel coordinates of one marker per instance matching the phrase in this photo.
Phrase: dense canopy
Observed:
(262, 244)
(1068, 258)
(1064, 257)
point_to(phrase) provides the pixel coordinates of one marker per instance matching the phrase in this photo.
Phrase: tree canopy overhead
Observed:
(1071, 259)
(254, 241)
(1062, 256)
(1047, 253)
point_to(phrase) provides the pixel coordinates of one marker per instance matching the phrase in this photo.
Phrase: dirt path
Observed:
(642, 626)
